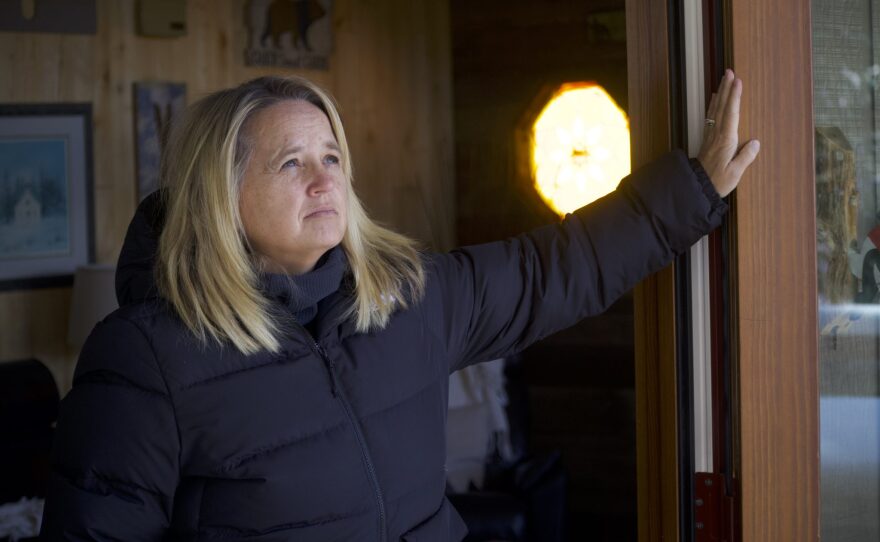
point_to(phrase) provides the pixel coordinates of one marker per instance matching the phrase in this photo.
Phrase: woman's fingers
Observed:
(721, 156)
(723, 94)
(730, 125)
(713, 106)
(743, 159)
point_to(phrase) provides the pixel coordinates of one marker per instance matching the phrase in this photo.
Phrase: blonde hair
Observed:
(205, 268)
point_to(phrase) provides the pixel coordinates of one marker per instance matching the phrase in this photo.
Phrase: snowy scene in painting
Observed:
(33, 198)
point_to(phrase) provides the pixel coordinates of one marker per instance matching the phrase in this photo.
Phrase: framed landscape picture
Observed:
(46, 220)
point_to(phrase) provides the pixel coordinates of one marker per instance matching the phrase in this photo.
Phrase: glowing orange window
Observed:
(580, 147)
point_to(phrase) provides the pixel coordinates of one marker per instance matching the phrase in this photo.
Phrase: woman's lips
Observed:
(322, 212)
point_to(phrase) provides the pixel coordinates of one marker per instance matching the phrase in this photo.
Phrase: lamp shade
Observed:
(94, 297)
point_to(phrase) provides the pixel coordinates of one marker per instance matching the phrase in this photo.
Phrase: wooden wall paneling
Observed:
(390, 71)
(117, 56)
(776, 268)
(413, 104)
(32, 327)
(367, 73)
(431, 55)
(420, 89)
(656, 417)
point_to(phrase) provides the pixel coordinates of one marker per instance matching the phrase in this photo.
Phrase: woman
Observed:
(278, 368)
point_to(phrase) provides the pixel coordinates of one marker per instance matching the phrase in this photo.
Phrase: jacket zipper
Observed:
(337, 392)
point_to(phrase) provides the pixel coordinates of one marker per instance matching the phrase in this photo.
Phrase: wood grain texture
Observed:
(656, 426)
(776, 268)
(390, 71)
(656, 414)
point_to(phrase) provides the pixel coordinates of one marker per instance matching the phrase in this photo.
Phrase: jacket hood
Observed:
(134, 270)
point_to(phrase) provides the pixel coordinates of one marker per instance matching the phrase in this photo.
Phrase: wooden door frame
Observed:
(775, 312)
(654, 298)
(773, 308)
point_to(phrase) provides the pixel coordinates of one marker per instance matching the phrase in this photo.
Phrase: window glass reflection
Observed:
(846, 73)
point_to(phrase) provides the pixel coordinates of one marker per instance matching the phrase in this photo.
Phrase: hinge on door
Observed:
(714, 510)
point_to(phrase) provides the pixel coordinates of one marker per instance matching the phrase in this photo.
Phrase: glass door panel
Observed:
(846, 74)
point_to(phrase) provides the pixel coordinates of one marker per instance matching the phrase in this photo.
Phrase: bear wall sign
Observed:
(289, 33)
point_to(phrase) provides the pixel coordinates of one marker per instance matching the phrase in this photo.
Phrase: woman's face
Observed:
(294, 197)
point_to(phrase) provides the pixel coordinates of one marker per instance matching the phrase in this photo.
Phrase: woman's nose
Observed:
(319, 182)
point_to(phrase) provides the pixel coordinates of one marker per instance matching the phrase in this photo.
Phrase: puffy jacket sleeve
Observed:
(488, 301)
(115, 455)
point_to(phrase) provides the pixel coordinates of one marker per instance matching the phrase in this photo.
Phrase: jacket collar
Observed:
(301, 294)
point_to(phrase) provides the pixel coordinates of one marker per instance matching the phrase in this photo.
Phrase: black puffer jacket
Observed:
(341, 438)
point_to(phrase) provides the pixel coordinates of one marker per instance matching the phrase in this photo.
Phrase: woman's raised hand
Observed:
(721, 154)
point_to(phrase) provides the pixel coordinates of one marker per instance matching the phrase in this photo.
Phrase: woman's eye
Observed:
(291, 163)
(331, 159)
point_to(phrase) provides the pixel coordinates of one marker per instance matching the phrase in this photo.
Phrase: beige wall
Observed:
(390, 72)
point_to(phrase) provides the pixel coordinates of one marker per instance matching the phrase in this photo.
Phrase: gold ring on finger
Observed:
(710, 123)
